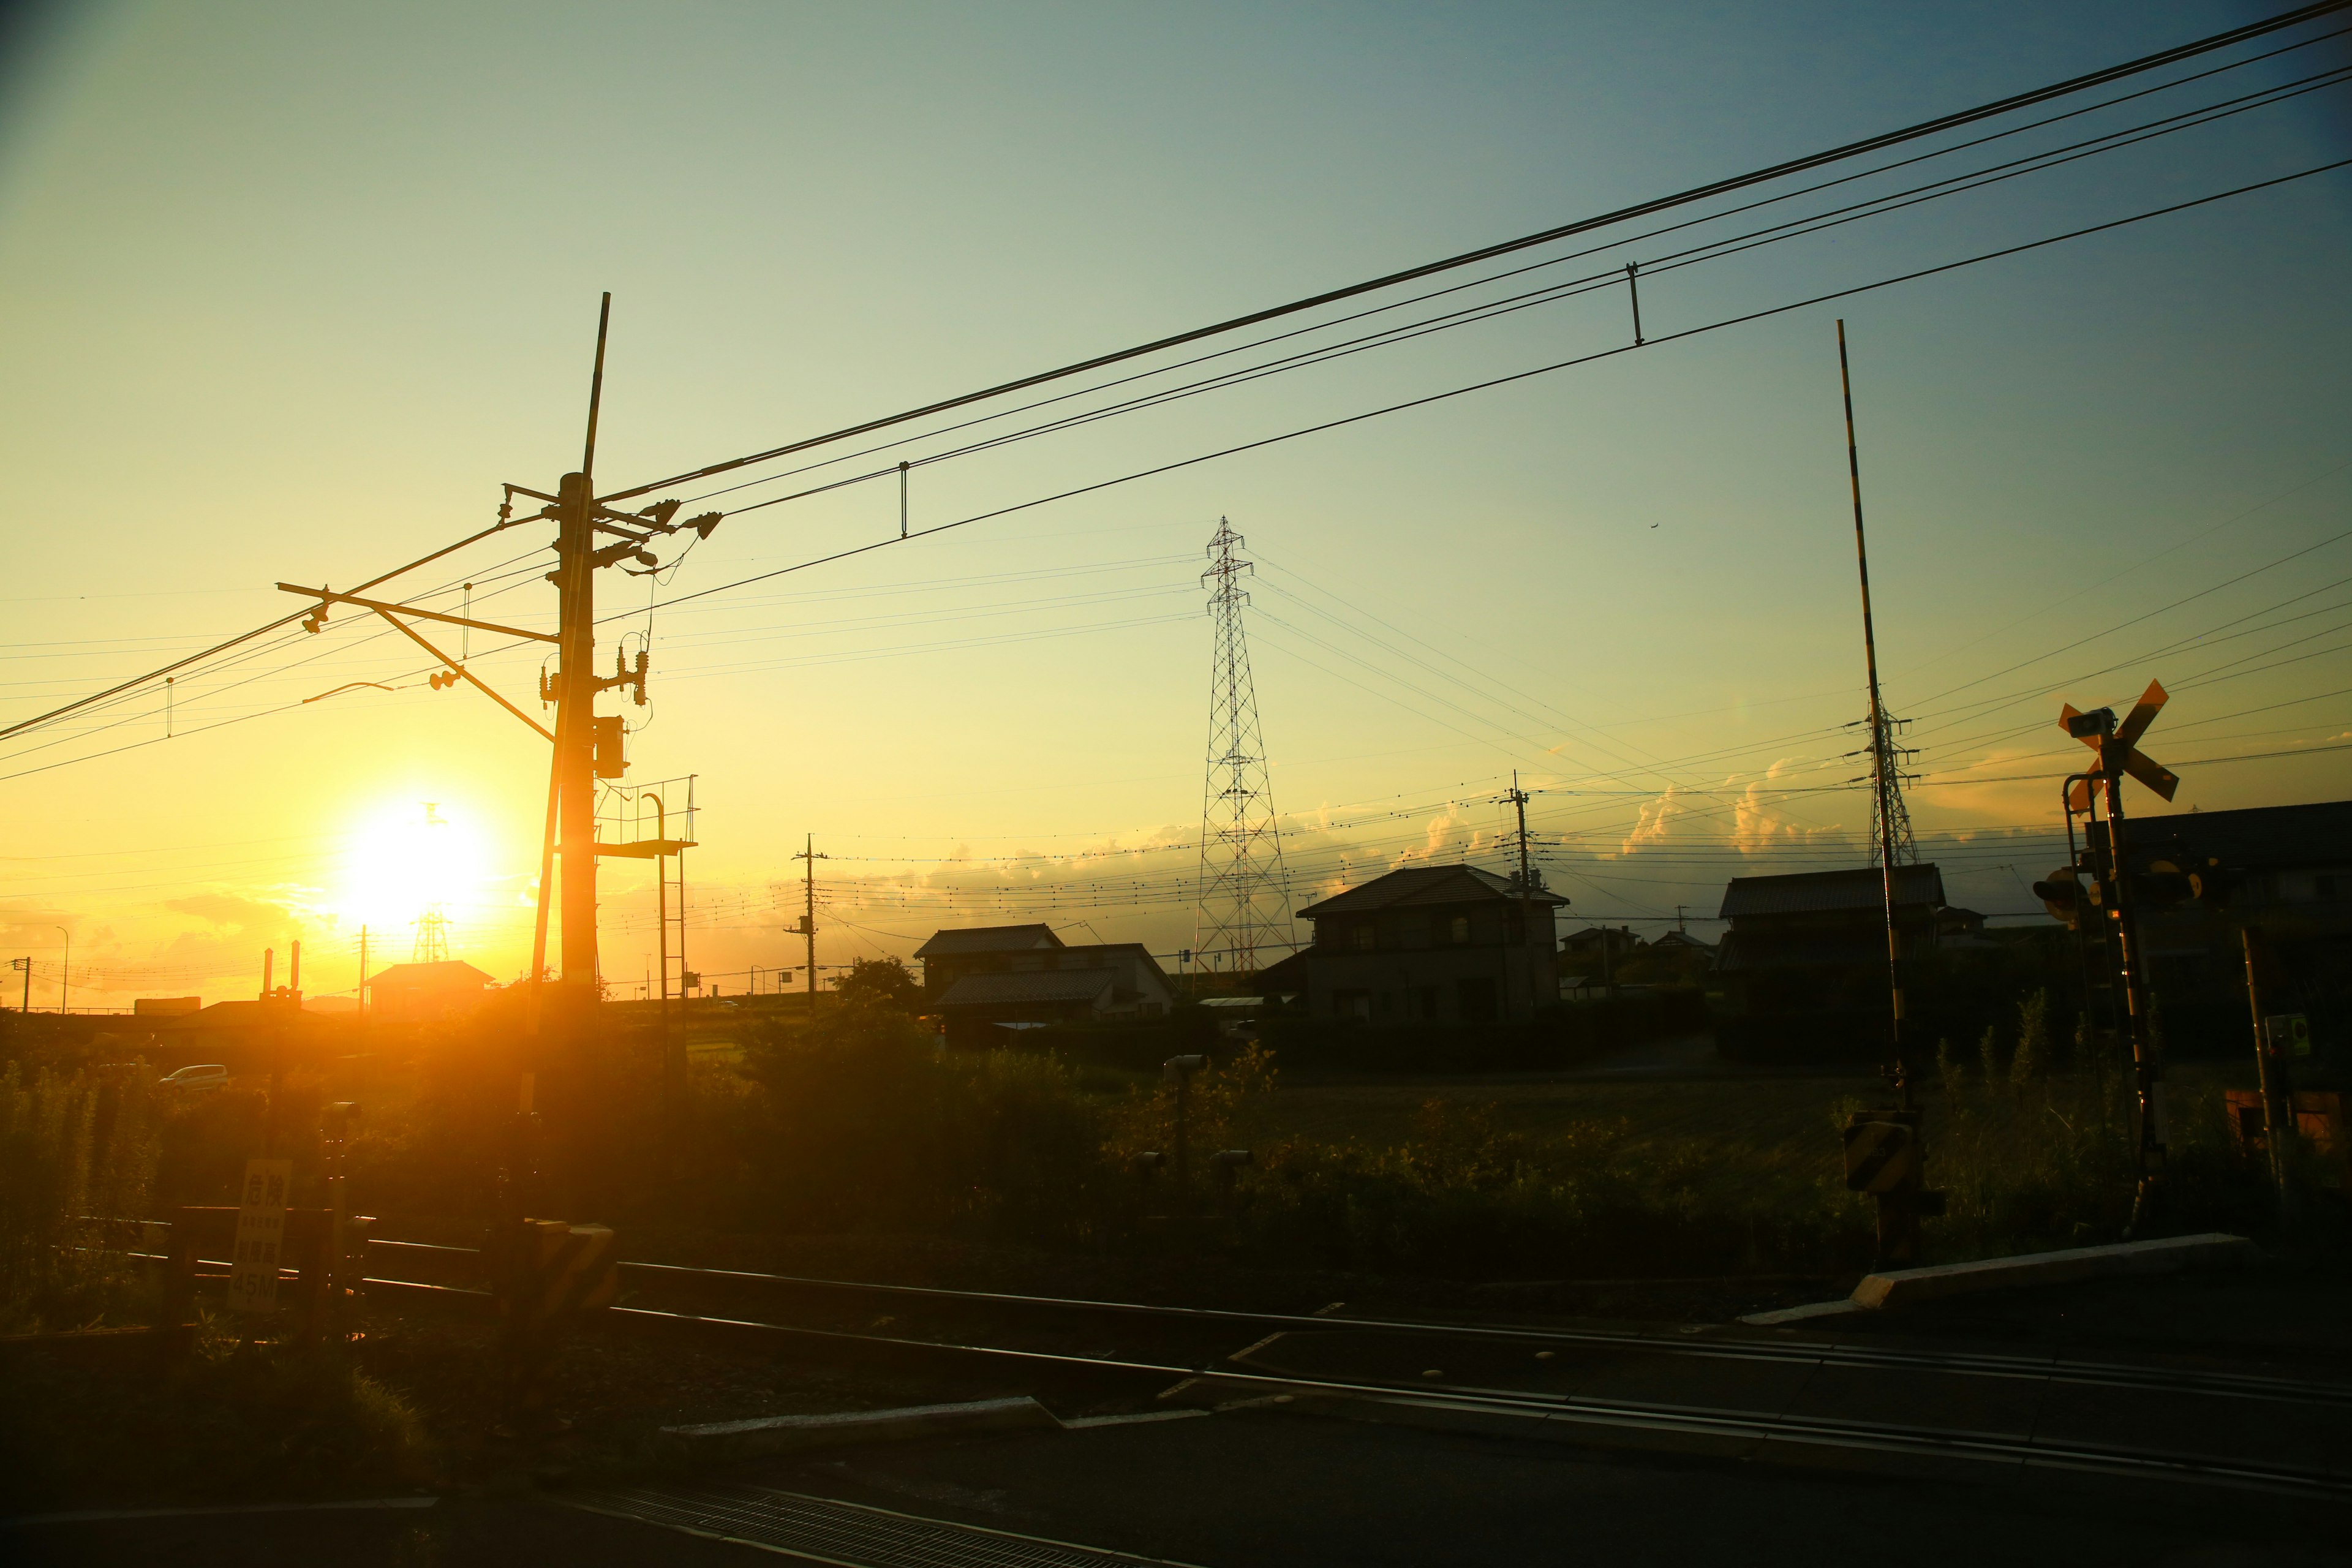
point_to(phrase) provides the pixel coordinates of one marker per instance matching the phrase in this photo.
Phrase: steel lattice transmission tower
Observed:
(1245, 891)
(1888, 757)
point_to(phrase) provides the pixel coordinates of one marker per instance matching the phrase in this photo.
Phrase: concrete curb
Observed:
(723, 1441)
(1907, 1287)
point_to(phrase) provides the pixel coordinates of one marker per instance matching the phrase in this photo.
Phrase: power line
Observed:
(1543, 237)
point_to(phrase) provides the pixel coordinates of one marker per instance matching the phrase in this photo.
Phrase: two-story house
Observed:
(1443, 944)
(1026, 974)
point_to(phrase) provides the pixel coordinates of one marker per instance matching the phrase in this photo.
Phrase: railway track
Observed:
(1975, 1363)
(1707, 1416)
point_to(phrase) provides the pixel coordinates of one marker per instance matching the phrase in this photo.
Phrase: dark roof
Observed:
(2262, 835)
(988, 939)
(1684, 939)
(448, 975)
(1833, 892)
(1022, 985)
(1421, 884)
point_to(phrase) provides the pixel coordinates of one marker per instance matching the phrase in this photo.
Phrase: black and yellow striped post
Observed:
(1882, 1158)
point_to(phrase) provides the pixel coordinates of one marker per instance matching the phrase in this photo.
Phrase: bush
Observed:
(865, 1125)
(77, 1149)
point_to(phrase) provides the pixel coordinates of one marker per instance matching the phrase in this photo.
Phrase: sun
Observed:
(413, 857)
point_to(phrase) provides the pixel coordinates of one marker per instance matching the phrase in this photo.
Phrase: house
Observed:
(1683, 941)
(1025, 974)
(951, 954)
(2285, 870)
(1443, 944)
(1804, 964)
(1584, 948)
(426, 992)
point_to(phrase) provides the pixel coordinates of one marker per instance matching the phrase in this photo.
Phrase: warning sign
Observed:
(1880, 1155)
(260, 1235)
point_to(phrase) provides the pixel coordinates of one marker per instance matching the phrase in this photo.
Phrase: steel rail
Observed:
(2111, 1374)
(1586, 1410)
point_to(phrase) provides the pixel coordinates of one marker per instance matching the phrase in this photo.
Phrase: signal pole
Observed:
(1882, 778)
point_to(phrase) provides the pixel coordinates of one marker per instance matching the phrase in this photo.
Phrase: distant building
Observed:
(1583, 949)
(426, 992)
(973, 950)
(1683, 941)
(166, 1006)
(1804, 965)
(2290, 870)
(981, 975)
(1441, 944)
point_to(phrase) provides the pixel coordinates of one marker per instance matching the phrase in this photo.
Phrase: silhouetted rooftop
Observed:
(1411, 885)
(988, 939)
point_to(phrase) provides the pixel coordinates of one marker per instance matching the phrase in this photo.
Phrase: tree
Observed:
(883, 982)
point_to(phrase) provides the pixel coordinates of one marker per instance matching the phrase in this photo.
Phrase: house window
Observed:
(1458, 931)
(1362, 937)
(1351, 1005)
(1424, 1003)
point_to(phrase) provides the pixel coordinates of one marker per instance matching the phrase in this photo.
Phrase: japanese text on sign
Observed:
(260, 1235)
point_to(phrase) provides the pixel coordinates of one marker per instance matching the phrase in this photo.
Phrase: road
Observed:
(1254, 1489)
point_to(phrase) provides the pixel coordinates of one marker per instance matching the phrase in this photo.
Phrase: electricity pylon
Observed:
(1891, 824)
(1245, 893)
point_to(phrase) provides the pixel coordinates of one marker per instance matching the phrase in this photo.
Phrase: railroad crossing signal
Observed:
(2117, 744)
(1880, 1156)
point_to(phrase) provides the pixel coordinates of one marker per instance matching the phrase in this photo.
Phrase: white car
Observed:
(211, 1074)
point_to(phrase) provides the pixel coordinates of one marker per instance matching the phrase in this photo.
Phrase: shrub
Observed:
(77, 1149)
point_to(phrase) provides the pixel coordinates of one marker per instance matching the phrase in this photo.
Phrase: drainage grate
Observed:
(849, 1534)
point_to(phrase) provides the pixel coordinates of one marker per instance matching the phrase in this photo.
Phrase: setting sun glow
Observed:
(408, 858)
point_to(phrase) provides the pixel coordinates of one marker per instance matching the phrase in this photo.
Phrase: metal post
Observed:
(2278, 1097)
(1879, 769)
(65, 976)
(1526, 896)
(2147, 1072)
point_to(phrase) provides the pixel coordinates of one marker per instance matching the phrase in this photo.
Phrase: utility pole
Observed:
(1881, 772)
(65, 976)
(363, 958)
(25, 963)
(808, 858)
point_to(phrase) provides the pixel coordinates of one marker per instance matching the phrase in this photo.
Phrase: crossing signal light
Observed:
(2066, 895)
(441, 679)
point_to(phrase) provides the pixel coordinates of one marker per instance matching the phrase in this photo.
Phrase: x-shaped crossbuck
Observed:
(2120, 750)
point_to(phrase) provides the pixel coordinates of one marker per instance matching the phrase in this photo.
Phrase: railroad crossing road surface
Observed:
(1254, 1489)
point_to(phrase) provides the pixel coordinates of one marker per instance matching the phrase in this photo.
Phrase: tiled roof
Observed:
(1027, 986)
(1833, 892)
(1421, 884)
(988, 939)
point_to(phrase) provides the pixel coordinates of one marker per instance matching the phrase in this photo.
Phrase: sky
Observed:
(287, 292)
